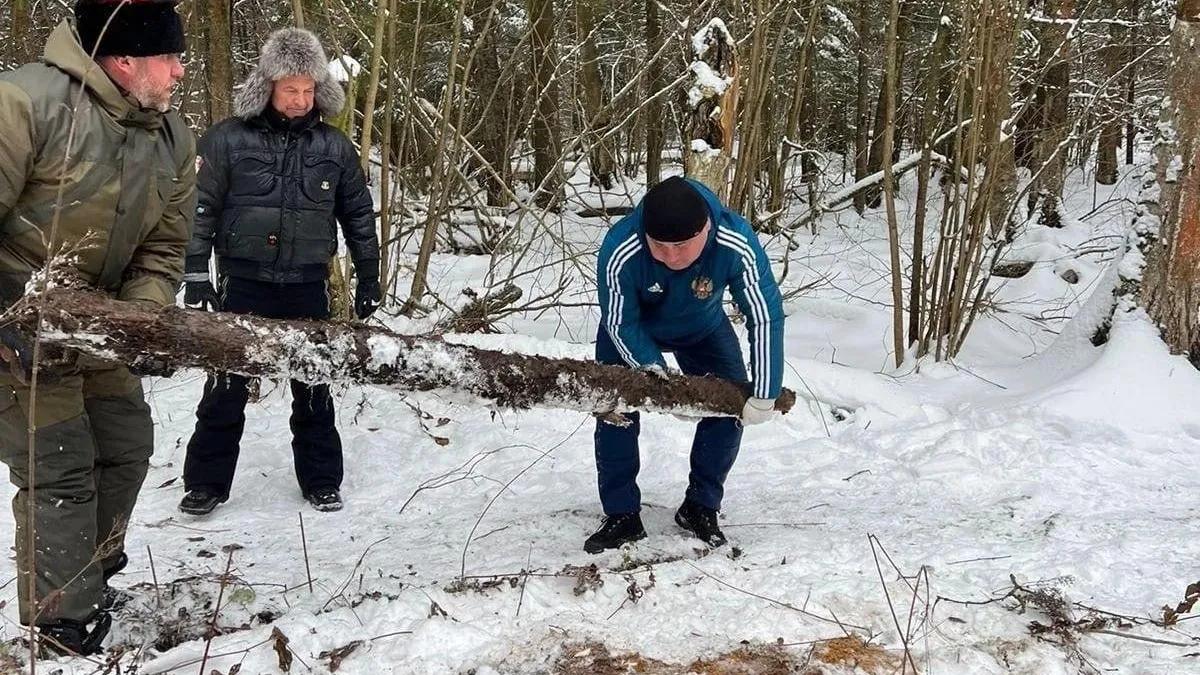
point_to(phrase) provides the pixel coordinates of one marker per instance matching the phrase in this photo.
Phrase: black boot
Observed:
(615, 531)
(200, 502)
(325, 499)
(701, 521)
(115, 598)
(67, 637)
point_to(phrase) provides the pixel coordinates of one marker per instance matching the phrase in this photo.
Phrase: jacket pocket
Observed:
(252, 233)
(320, 181)
(253, 174)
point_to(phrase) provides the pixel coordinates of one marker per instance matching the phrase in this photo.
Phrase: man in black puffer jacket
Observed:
(274, 181)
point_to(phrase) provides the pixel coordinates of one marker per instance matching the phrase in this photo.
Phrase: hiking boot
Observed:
(701, 521)
(200, 502)
(115, 598)
(67, 637)
(325, 499)
(615, 531)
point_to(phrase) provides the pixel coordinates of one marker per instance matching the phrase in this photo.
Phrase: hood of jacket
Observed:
(64, 52)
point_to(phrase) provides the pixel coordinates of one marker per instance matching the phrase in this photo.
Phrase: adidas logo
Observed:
(655, 288)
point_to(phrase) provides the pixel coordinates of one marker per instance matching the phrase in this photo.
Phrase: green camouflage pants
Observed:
(93, 441)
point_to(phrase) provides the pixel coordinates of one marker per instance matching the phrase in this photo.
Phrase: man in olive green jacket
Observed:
(114, 211)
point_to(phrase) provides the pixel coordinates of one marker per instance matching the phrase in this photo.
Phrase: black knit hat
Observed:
(137, 28)
(673, 211)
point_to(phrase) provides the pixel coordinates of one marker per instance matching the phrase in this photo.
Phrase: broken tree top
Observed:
(326, 351)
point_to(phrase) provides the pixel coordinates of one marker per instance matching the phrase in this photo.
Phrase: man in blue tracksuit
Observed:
(662, 275)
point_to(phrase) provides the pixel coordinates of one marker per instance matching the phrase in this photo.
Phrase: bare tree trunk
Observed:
(493, 98)
(958, 275)
(1000, 151)
(1113, 55)
(298, 13)
(385, 166)
(713, 119)
(382, 7)
(924, 172)
(21, 36)
(757, 149)
(1055, 91)
(439, 192)
(1135, 8)
(653, 112)
(891, 80)
(220, 61)
(875, 159)
(1171, 283)
(862, 136)
(798, 106)
(326, 351)
(546, 143)
(878, 157)
(601, 160)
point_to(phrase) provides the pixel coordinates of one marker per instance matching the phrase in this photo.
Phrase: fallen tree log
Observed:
(324, 351)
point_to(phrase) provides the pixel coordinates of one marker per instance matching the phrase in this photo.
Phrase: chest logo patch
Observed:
(702, 287)
(324, 185)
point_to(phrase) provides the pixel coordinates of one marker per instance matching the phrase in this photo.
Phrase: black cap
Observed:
(673, 211)
(136, 28)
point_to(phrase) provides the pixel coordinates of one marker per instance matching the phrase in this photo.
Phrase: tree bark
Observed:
(1131, 82)
(385, 166)
(324, 351)
(653, 112)
(1113, 56)
(799, 104)
(861, 131)
(890, 84)
(492, 98)
(547, 146)
(601, 160)
(1056, 92)
(1171, 284)
(220, 61)
(924, 133)
(382, 8)
(21, 36)
(713, 115)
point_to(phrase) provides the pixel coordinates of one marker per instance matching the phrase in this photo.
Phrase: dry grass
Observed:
(853, 654)
(850, 654)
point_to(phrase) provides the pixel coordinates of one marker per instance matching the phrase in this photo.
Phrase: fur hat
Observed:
(289, 51)
(136, 28)
(673, 211)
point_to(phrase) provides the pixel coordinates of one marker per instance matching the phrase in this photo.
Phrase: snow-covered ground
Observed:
(1034, 457)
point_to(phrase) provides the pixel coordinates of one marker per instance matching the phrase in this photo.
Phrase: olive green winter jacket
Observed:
(124, 191)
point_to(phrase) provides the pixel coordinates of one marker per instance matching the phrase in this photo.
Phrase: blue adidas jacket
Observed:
(643, 302)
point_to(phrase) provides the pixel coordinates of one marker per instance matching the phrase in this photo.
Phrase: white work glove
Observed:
(758, 410)
(655, 369)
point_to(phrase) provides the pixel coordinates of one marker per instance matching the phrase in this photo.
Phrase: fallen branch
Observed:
(325, 351)
(477, 315)
(846, 195)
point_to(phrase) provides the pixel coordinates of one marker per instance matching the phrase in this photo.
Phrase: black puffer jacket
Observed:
(270, 191)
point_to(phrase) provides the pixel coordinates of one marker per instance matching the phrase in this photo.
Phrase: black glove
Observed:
(367, 297)
(201, 295)
(18, 352)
